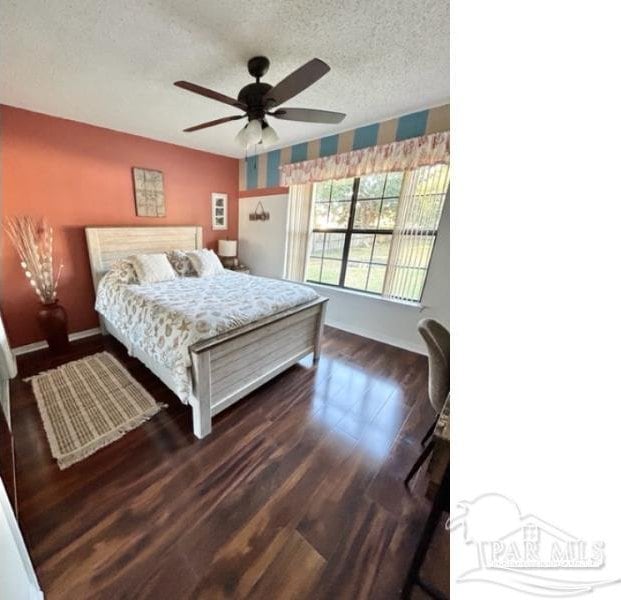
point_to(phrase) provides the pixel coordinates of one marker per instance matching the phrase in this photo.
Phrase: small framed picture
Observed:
(219, 211)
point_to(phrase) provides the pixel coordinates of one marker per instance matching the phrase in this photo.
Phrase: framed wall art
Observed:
(149, 192)
(219, 211)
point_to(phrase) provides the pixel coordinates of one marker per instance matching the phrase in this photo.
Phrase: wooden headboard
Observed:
(106, 245)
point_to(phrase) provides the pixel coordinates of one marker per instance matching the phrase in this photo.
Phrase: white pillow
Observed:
(205, 262)
(152, 268)
(215, 262)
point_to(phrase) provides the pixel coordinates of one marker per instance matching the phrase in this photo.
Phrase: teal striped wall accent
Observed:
(365, 137)
(262, 171)
(413, 125)
(252, 172)
(299, 152)
(273, 162)
(328, 145)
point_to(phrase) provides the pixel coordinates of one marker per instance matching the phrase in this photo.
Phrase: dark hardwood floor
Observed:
(297, 493)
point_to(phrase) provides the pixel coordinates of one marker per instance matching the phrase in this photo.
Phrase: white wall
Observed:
(18, 580)
(262, 243)
(262, 248)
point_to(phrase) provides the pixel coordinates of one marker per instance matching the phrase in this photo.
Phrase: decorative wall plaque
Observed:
(149, 192)
(259, 214)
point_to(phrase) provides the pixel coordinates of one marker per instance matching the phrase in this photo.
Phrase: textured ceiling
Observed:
(113, 63)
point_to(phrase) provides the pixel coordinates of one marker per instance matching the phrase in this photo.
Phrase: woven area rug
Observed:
(89, 403)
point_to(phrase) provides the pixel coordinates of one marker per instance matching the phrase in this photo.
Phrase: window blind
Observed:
(418, 216)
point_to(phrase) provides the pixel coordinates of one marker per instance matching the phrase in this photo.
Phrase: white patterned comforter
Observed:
(164, 319)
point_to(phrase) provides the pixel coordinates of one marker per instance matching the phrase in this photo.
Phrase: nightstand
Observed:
(239, 269)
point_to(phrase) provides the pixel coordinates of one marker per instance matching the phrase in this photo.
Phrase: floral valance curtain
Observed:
(406, 155)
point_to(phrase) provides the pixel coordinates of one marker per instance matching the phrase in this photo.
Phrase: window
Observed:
(354, 223)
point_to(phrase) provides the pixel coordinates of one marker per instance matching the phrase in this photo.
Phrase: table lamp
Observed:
(227, 251)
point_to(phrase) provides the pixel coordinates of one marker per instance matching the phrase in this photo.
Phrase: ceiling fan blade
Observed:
(198, 89)
(296, 82)
(212, 123)
(310, 115)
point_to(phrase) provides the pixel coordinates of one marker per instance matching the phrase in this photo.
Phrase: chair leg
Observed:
(439, 504)
(429, 432)
(419, 462)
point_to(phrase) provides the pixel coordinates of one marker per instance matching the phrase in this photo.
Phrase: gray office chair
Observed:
(438, 341)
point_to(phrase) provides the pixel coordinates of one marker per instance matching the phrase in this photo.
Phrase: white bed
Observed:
(225, 360)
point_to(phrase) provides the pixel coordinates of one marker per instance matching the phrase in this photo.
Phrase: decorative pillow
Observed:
(181, 263)
(205, 262)
(152, 268)
(123, 271)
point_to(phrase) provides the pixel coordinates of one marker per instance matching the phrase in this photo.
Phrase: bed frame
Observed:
(229, 366)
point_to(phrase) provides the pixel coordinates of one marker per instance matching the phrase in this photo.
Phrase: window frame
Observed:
(349, 231)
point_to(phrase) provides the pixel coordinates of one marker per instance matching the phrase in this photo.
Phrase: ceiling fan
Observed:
(260, 99)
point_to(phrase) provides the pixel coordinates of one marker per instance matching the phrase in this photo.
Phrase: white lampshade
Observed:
(253, 132)
(269, 136)
(242, 137)
(227, 248)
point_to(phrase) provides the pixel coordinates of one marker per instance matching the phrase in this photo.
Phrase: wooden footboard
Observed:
(230, 366)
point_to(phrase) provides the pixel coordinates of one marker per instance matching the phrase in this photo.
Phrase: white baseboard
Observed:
(77, 335)
(411, 345)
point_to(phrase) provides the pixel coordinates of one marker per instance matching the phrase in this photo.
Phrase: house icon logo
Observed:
(524, 552)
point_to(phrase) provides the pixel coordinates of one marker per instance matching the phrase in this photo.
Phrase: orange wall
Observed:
(76, 175)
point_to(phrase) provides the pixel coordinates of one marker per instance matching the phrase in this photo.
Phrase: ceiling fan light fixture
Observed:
(270, 137)
(242, 137)
(253, 132)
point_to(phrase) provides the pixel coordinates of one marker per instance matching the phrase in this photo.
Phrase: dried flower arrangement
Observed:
(33, 242)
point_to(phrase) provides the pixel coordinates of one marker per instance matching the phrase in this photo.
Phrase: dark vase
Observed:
(52, 319)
